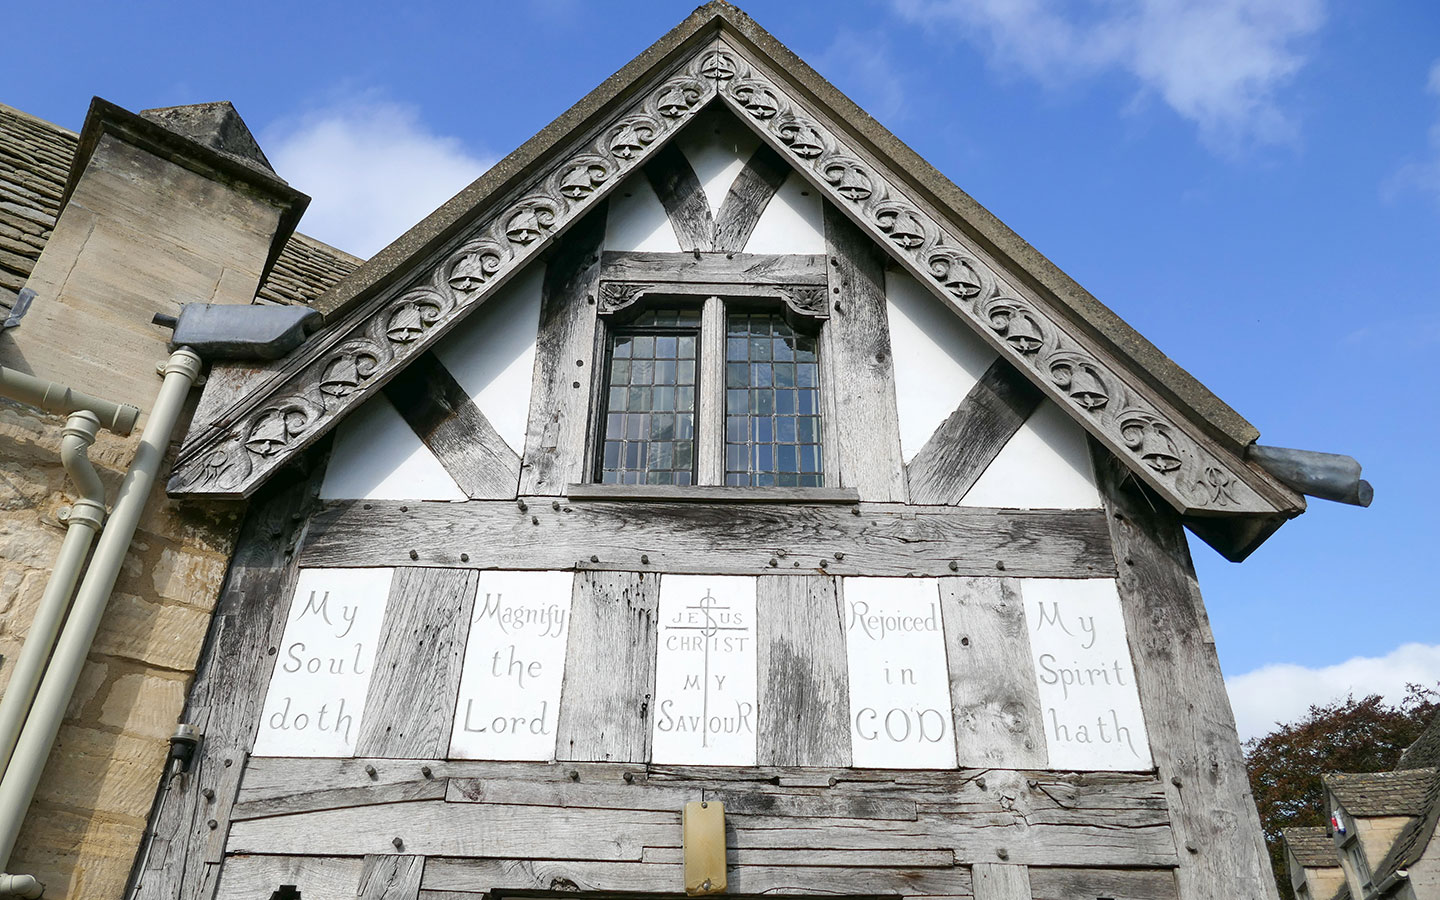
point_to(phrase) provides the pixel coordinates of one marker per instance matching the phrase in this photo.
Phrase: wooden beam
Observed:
(1187, 712)
(667, 878)
(733, 539)
(1059, 883)
(448, 422)
(804, 691)
(670, 493)
(410, 707)
(391, 877)
(967, 442)
(713, 268)
(992, 685)
(994, 881)
(605, 702)
(856, 348)
(229, 690)
(258, 877)
(560, 391)
(679, 190)
(747, 198)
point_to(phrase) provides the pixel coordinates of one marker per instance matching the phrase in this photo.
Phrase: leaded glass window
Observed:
(772, 402)
(720, 394)
(649, 416)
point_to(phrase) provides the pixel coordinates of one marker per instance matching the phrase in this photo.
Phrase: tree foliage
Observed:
(1365, 735)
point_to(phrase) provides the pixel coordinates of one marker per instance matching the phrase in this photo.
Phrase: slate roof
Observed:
(1402, 793)
(1416, 835)
(1425, 752)
(35, 159)
(1312, 847)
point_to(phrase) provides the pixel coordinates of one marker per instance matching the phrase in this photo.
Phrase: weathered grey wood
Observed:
(391, 877)
(1182, 693)
(518, 874)
(444, 417)
(274, 778)
(993, 693)
(804, 692)
(994, 881)
(227, 696)
(670, 493)
(1047, 883)
(605, 708)
(747, 198)
(738, 539)
(437, 828)
(967, 442)
(410, 706)
(640, 794)
(679, 190)
(710, 417)
(713, 268)
(857, 349)
(891, 859)
(560, 390)
(431, 828)
(301, 796)
(320, 877)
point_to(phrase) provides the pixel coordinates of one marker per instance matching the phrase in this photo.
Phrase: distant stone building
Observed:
(712, 496)
(1380, 842)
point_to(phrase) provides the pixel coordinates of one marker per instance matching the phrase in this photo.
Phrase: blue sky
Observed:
(1253, 184)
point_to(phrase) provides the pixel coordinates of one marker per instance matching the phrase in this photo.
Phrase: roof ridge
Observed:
(31, 117)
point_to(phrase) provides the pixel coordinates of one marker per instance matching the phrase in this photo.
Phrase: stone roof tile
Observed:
(1383, 793)
(35, 160)
(1312, 847)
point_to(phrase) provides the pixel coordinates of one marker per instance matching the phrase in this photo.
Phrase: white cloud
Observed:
(1283, 693)
(1218, 63)
(372, 168)
(1424, 174)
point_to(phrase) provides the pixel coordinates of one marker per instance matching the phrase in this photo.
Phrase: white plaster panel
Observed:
(899, 683)
(636, 219)
(509, 698)
(1045, 465)
(491, 354)
(792, 221)
(938, 358)
(1088, 700)
(717, 147)
(705, 671)
(322, 672)
(377, 456)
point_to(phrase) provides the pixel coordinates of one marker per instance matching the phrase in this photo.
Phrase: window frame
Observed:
(714, 301)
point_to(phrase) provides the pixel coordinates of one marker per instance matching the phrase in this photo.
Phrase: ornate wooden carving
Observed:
(303, 396)
(1169, 453)
(340, 368)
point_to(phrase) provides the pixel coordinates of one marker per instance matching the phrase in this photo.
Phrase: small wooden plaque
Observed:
(704, 826)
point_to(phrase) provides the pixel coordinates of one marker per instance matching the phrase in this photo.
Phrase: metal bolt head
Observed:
(427, 772)
(594, 558)
(954, 566)
(212, 824)
(629, 777)
(64, 514)
(414, 554)
(1002, 853)
(644, 559)
(399, 844)
(574, 775)
(370, 770)
(208, 794)
(464, 557)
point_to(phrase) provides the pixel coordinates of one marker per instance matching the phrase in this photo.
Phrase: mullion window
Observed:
(649, 420)
(751, 419)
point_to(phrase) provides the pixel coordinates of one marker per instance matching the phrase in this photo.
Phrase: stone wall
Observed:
(89, 814)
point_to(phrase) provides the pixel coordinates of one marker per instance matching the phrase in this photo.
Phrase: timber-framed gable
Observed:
(1186, 458)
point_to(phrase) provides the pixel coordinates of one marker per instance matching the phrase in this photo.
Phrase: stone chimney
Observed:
(167, 207)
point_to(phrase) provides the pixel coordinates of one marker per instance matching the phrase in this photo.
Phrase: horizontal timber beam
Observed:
(720, 538)
(713, 268)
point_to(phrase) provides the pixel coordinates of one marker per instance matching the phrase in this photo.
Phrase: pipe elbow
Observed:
(20, 886)
(1328, 476)
(80, 431)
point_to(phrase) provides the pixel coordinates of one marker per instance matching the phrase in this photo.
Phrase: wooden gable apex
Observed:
(1177, 438)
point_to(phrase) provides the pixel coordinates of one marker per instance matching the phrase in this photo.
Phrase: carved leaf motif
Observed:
(616, 295)
(806, 299)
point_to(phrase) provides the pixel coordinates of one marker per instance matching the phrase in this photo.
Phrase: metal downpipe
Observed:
(43, 724)
(86, 516)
